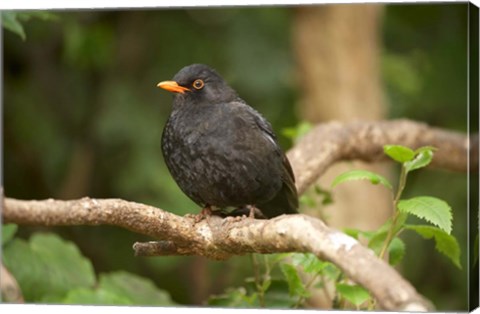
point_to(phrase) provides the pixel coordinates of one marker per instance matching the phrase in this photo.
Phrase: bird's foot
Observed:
(247, 211)
(204, 213)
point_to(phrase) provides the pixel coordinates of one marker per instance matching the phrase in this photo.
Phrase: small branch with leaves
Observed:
(218, 238)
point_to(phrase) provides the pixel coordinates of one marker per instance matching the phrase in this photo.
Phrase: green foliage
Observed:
(429, 208)
(423, 156)
(396, 251)
(44, 266)
(8, 231)
(295, 284)
(354, 294)
(399, 153)
(361, 175)
(120, 288)
(275, 291)
(12, 20)
(50, 269)
(94, 297)
(137, 290)
(444, 242)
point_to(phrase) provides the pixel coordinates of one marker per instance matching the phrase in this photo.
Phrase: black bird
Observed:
(222, 152)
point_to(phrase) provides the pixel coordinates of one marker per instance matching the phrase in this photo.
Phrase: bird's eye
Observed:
(198, 84)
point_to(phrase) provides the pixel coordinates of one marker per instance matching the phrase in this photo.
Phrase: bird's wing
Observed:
(268, 132)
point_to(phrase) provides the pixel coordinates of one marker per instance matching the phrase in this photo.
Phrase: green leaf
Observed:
(10, 22)
(425, 148)
(444, 242)
(95, 296)
(295, 284)
(331, 271)
(309, 262)
(8, 231)
(396, 251)
(139, 290)
(377, 240)
(429, 208)
(354, 294)
(361, 175)
(422, 159)
(47, 267)
(354, 233)
(399, 153)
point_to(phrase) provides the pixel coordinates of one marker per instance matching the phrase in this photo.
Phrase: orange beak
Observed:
(172, 86)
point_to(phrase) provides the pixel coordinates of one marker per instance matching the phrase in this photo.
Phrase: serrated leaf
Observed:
(49, 267)
(422, 159)
(396, 251)
(8, 231)
(10, 22)
(295, 284)
(444, 242)
(431, 209)
(139, 290)
(361, 175)
(354, 294)
(399, 153)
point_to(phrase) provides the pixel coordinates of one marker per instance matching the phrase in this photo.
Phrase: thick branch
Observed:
(219, 239)
(337, 141)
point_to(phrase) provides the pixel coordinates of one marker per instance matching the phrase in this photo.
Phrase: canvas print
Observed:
(318, 156)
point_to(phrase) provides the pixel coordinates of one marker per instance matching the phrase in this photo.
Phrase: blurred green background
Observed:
(83, 117)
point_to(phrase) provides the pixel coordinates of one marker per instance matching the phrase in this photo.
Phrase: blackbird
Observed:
(222, 152)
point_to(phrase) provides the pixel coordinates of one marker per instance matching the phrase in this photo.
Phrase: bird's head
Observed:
(199, 83)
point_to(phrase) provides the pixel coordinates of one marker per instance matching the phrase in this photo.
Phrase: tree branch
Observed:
(218, 238)
(331, 142)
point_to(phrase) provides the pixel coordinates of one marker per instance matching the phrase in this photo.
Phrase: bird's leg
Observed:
(204, 213)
